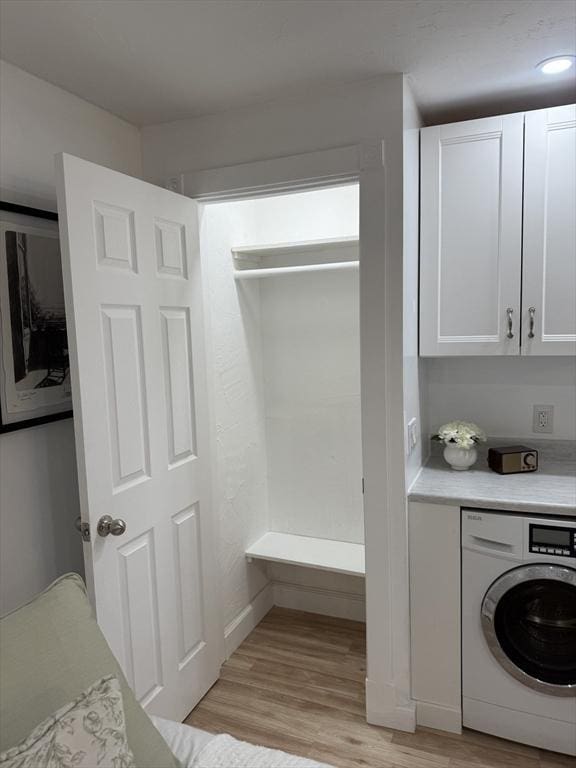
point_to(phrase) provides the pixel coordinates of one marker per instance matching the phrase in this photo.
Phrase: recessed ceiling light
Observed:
(556, 65)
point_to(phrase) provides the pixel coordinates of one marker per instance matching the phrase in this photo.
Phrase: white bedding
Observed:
(226, 752)
(185, 742)
(198, 749)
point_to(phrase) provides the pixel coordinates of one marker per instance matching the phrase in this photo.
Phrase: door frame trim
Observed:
(388, 701)
(329, 167)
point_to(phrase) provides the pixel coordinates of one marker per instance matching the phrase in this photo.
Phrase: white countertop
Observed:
(551, 489)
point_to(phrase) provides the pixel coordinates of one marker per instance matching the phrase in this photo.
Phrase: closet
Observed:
(281, 283)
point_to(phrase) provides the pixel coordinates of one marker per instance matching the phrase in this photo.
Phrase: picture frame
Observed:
(34, 360)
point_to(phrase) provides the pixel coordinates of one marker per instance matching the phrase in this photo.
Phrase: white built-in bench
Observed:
(322, 554)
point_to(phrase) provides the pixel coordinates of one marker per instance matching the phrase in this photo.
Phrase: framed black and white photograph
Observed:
(34, 365)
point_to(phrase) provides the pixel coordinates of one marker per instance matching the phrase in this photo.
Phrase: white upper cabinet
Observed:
(549, 259)
(471, 237)
(484, 288)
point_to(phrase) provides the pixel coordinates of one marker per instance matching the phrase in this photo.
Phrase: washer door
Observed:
(529, 622)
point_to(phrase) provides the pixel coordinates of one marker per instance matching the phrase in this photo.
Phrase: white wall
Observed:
(38, 120)
(413, 371)
(38, 486)
(311, 353)
(499, 393)
(236, 384)
(334, 118)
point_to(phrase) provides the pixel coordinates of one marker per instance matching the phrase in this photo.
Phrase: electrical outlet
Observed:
(543, 419)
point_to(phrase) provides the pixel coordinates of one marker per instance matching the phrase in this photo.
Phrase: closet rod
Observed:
(250, 274)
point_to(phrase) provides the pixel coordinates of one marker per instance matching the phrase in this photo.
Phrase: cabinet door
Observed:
(435, 615)
(549, 260)
(471, 227)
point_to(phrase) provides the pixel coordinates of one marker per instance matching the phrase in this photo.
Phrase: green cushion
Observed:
(51, 650)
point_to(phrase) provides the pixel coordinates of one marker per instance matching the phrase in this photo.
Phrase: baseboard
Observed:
(247, 620)
(382, 708)
(439, 717)
(342, 605)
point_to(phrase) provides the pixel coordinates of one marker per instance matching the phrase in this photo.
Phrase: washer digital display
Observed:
(553, 540)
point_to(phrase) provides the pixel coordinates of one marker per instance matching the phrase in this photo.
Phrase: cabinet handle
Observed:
(531, 312)
(509, 313)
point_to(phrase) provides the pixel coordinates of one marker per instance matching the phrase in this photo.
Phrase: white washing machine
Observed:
(519, 627)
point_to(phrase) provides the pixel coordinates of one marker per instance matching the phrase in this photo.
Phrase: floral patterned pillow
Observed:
(87, 733)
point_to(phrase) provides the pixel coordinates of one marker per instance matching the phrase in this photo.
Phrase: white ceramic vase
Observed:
(460, 458)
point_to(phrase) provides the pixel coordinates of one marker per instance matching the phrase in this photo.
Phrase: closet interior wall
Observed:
(285, 376)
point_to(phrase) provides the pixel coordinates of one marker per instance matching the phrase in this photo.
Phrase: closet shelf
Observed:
(248, 274)
(301, 246)
(249, 260)
(322, 554)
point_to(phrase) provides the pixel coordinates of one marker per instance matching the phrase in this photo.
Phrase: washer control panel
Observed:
(552, 539)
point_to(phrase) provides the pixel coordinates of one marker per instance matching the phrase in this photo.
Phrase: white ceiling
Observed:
(158, 60)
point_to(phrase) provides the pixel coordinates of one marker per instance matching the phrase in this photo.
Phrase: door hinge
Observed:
(83, 529)
(362, 485)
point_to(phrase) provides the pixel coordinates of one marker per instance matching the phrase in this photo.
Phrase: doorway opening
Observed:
(281, 277)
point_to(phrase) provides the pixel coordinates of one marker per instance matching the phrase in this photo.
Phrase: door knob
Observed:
(107, 525)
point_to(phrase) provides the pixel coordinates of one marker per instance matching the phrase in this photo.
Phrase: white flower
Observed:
(464, 434)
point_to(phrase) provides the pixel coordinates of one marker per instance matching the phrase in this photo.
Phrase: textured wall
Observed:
(311, 363)
(235, 380)
(311, 351)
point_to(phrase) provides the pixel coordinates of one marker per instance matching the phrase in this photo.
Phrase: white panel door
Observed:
(471, 227)
(134, 303)
(549, 260)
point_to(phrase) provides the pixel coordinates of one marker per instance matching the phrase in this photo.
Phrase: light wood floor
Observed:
(297, 684)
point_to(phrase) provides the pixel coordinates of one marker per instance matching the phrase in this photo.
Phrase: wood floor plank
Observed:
(297, 684)
(463, 750)
(348, 670)
(279, 616)
(552, 760)
(324, 650)
(240, 662)
(482, 740)
(314, 641)
(285, 672)
(295, 690)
